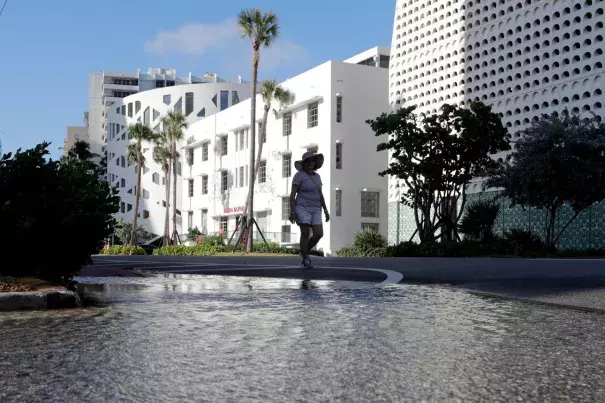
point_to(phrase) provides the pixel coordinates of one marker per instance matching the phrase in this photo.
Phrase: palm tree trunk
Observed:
(167, 215)
(255, 59)
(133, 235)
(261, 138)
(174, 185)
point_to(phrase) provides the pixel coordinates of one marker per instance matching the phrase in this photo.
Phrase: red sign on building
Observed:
(238, 209)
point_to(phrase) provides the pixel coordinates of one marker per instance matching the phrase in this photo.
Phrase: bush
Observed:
(61, 207)
(479, 219)
(124, 250)
(207, 249)
(525, 243)
(369, 240)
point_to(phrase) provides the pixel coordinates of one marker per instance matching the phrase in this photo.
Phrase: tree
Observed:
(263, 30)
(60, 210)
(478, 222)
(161, 155)
(556, 162)
(138, 133)
(270, 91)
(124, 231)
(174, 123)
(81, 151)
(436, 156)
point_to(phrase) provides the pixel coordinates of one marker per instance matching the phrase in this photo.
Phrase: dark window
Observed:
(188, 103)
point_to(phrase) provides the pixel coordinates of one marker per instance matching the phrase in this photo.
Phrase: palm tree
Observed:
(161, 155)
(81, 151)
(139, 133)
(270, 91)
(174, 124)
(263, 30)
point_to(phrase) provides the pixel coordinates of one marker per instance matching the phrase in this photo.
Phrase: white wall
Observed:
(153, 193)
(366, 89)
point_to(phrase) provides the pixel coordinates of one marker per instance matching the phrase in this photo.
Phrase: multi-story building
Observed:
(524, 58)
(196, 102)
(330, 105)
(107, 87)
(74, 133)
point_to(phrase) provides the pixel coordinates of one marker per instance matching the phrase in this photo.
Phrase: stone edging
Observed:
(53, 298)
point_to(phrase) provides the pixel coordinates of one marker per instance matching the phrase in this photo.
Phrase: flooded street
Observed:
(193, 338)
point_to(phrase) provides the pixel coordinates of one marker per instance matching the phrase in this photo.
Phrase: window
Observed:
(205, 184)
(122, 207)
(285, 233)
(122, 183)
(369, 204)
(242, 134)
(190, 156)
(123, 110)
(234, 98)
(155, 177)
(338, 199)
(202, 113)
(204, 223)
(205, 152)
(146, 117)
(137, 106)
(224, 181)
(313, 115)
(178, 107)
(369, 226)
(262, 172)
(166, 99)
(338, 109)
(285, 208)
(241, 176)
(188, 103)
(130, 110)
(287, 123)
(338, 155)
(224, 224)
(286, 168)
(190, 219)
(224, 145)
(246, 176)
(190, 187)
(224, 100)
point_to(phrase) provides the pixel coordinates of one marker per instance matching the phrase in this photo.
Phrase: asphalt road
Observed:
(578, 283)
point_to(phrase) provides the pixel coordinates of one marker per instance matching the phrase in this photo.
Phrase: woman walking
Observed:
(307, 202)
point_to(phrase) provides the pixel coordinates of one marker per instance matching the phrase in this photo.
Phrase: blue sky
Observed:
(49, 47)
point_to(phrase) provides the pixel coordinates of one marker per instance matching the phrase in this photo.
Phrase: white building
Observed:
(525, 58)
(107, 87)
(331, 104)
(196, 101)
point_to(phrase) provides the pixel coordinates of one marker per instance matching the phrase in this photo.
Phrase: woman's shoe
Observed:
(307, 263)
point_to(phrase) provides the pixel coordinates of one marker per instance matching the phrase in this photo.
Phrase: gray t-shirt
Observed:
(308, 192)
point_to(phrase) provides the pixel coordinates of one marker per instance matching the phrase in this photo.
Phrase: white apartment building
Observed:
(196, 102)
(330, 106)
(523, 57)
(107, 87)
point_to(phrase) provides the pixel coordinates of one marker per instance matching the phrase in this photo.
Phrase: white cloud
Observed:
(224, 38)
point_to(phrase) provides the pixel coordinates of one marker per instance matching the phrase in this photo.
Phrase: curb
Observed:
(45, 299)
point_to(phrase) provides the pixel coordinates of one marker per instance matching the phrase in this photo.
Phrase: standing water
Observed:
(188, 338)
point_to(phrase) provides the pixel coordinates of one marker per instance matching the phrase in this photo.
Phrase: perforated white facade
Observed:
(196, 102)
(525, 58)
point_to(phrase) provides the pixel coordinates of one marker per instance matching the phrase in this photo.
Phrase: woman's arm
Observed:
(293, 194)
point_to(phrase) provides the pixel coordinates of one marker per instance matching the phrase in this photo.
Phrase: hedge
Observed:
(123, 250)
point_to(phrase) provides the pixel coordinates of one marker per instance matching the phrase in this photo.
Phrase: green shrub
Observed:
(124, 250)
(525, 243)
(61, 206)
(368, 240)
(347, 251)
(213, 240)
(203, 249)
(479, 219)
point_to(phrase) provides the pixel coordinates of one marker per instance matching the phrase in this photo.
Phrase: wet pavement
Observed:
(211, 338)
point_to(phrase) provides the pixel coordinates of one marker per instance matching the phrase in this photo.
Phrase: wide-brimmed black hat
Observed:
(319, 160)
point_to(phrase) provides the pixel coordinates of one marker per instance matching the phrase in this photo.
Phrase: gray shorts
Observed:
(308, 215)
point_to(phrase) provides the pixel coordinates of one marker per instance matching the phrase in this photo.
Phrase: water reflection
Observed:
(189, 338)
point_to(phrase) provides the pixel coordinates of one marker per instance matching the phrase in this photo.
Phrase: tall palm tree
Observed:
(161, 155)
(270, 91)
(174, 124)
(263, 30)
(138, 133)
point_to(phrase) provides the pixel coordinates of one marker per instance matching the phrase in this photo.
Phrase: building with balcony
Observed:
(327, 114)
(525, 58)
(197, 102)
